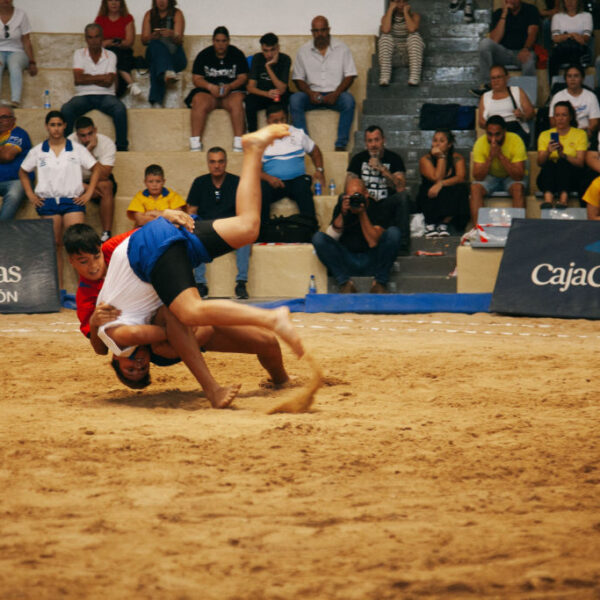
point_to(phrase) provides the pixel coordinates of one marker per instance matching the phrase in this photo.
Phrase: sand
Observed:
(445, 456)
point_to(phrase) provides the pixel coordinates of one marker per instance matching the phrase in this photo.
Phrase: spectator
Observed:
(583, 101)
(118, 30)
(592, 199)
(547, 9)
(16, 51)
(571, 31)
(103, 149)
(499, 159)
(268, 79)
(150, 203)
(219, 75)
(361, 240)
(513, 32)
(469, 16)
(561, 155)
(14, 146)
(162, 32)
(400, 42)
(323, 71)
(443, 195)
(95, 72)
(212, 196)
(283, 172)
(383, 174)
(59, 193)
(511, 103)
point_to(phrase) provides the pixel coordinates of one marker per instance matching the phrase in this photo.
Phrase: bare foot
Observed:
(222, 397)
(272, 384)
(264, 137)
(286, 331)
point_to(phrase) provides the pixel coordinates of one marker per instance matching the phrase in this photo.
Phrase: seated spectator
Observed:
(400, 43)
(499, 159)
(592, 200)
(511, 103)
(162, 32)
(268, 79)
(383, 173)
(118, 30)
(150, 203)
(14, 146)
(571, 31)
(469, 16)
(443, 194)
(547, 9)
(103, 149)
(212, 196)
(323, 72)
(219, 75)
(16, 51)
(585, 102)
(283, 172)
(95, 73)
(361, 240)
(561, 154)
(513, 32)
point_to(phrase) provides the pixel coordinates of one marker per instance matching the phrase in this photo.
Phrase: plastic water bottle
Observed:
(46, 100)
(332, 187)
(317, 188)
(312, 285)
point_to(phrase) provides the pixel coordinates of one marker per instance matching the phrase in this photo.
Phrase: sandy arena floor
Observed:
(447, 456)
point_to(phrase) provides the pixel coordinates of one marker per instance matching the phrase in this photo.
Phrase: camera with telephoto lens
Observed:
(357, 200)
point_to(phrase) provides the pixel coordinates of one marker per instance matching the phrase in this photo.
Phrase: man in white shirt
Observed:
(323, 70)
(103, 149)
(95, 72)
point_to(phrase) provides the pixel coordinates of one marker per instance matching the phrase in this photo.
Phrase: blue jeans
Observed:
(300, 103)
(342, 263)
(161, 60)
(491, 53)
(105, 103)
(12, 195)
(242, 260)
(16, 63)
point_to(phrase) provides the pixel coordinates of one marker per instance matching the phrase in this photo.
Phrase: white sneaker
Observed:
(442, 230)
(431, 231)
(237, 144)
(134, 89)
(195, 144)
(171, 77)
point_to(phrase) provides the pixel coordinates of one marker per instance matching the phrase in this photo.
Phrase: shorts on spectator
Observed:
(59, 206)
(493, 184)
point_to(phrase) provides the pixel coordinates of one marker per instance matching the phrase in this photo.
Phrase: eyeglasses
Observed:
(6, 31)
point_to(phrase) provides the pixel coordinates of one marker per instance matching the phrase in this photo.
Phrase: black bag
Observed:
(292, 229)
(542, 121)
(446, 116)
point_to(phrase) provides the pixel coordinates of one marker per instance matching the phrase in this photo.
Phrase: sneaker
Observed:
(106, 235)
(442, 230)
(237, 144)
(413, 82)
(241, 293)
(454, 5)
(171, 76)
(202, 289)
(348, 287)
(15, 104)
(67, 300)
(195, 144)
(469, 14)
(384, 82)
(431, 231)
(481, 90)
(134, 89)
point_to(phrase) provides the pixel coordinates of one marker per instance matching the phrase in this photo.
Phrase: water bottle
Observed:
(332, 187)
(317, 188)
(46, 100)
(312, 285)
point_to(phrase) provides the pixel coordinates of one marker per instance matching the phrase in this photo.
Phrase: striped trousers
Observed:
(394, 52)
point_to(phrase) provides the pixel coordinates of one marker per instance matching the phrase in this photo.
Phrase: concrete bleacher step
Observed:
(454, 74)
(408, 106)
(458, 57)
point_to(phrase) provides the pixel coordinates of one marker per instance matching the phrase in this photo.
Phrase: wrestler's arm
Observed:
(103, 313)
(136, 335)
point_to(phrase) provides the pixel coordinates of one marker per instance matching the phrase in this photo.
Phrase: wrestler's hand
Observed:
(179, 219)
(103, 313)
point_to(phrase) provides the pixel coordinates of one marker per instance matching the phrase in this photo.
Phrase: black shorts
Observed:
(111, 177)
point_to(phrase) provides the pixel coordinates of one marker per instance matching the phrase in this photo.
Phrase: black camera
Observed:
(357, 200)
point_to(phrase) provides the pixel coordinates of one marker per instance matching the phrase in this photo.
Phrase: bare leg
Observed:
(234, 105)
(549, 197)
(476, 200)
(126, 77)
(57, 227)
(107, 203)
(517, 191)
(202, 104)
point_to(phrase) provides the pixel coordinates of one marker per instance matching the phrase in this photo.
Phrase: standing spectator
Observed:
(212, 196)
(268, 79)
(513, 32)
(219, 75)
(400, 42)
(14, 146)
(59, 193)
(561, 154)
(95, 73)
(16, 51)
(323, 71)
(118, 29)
(547, 9)
(162, 32)
(103, 149)
(443, 194)
(499, 159)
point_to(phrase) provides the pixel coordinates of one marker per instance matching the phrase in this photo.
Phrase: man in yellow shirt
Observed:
(592, 197)
(499, 159)
(150, 203)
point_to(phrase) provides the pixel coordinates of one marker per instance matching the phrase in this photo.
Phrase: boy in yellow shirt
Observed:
(150, 203)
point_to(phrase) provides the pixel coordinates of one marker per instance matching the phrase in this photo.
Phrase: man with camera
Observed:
(361, 240)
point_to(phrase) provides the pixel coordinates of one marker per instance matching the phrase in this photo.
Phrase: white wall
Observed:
(241, 17)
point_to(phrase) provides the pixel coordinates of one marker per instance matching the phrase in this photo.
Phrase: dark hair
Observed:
(220, 30)
(275, 107)
(83, 123)
(575, 66)
(569, 107)
(450, 137)
(94, 26)
(103, 12)
(134, 385)
(154, 170)
(373, 128)
(496, 120)
(269, 39)
(55, 113)
(504, 69)
(216, 149)
(155, 20)
(81, 239)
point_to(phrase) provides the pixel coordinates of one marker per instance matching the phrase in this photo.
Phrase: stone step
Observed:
(438, 266)
(442, 45)
(433, 59)
(377, 108)
(429, 29)
(417, 140)
(456, 75)
(427, 91)
(403, 284)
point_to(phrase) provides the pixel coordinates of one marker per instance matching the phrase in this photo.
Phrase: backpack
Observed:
(446, 116)
(293, 229)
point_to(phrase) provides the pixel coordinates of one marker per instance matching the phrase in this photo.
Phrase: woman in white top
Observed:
(16, 51)
(59, 193)
(511, 103)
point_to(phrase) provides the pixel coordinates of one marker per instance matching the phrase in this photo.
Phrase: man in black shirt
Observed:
(268, 79)
(212, 196)
(361, 240)
(513, 32)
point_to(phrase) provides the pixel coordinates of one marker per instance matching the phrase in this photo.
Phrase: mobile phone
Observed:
(554, 137)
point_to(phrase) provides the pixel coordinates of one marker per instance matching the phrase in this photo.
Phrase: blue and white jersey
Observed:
(284, 158)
